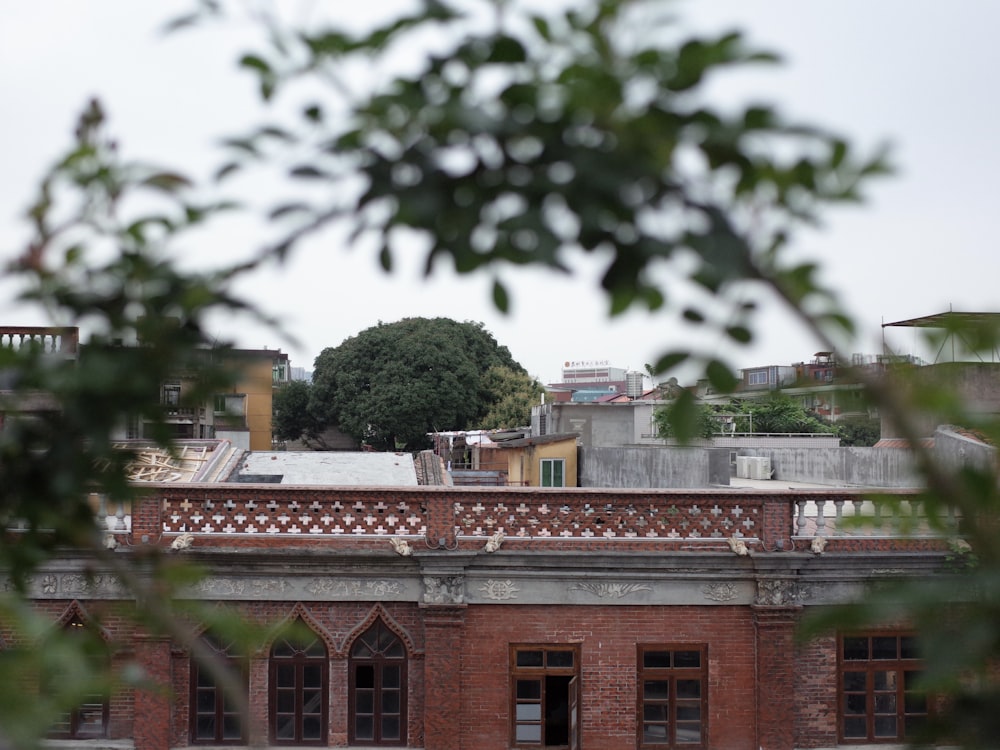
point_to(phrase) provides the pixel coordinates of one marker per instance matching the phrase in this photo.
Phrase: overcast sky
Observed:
(915, 73)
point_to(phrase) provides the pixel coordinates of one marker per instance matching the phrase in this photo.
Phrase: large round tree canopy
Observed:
(395, 382)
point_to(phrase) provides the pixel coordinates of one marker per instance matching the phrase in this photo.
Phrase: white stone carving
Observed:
(401, 546)
(818, 545)
(719, 592)
(738, 546)
(607, 589)
(182, 542)
(494, 542)
(499, 591)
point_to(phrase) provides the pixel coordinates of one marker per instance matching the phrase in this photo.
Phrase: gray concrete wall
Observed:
(957, 450)
(641, 467)
(853, 467)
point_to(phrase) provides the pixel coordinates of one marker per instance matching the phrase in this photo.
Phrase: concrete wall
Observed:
(647, 467)
(956, 450)
(853, 467)
(598, 425)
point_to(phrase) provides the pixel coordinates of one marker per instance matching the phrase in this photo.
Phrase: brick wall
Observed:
(816, 693)
(608, 637)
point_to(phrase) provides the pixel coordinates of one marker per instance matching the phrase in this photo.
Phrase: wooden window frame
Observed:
(299, 661)
(540, 672)
(378, 660)
(905, 665)
(75, 726)
(671, 675)
(239, 665)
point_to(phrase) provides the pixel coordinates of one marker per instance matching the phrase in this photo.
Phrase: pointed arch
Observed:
(299, 682)
(300, 612)
(76, 611)
(214, 715)
(378, 612)
(377, 687)
(89, 718)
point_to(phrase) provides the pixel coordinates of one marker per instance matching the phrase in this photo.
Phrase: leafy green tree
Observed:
(861, 432)
(685, 416)
(394, 383)
(510, 394)
(776, 413)
(290, 415)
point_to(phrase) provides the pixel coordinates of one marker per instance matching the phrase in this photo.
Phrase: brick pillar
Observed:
(442, 676)
(147, 526)
(441, 521)
(151, 722)
(774, 626)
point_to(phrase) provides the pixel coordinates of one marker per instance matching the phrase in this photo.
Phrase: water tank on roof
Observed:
(633, 384)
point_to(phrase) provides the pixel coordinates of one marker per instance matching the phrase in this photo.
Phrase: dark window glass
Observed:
(530, 658)
(377, 694)
(656, 659)
(672, 697)
(89, 720)
(879, 681)
(299, 687)
(559, 659)
(215, 717)
(544, 698)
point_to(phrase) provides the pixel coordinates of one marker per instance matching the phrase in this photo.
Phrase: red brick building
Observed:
(597, 619)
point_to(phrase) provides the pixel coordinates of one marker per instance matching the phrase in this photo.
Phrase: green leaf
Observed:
(289, 208)
(313, 113)
(739, 334)
(683, 417)
(507, 50)
(226, 169)
(500, 298)
(721, 376)
(542, 27)
(669, 361)
(307, 171)
(255, 62)
(169, 182)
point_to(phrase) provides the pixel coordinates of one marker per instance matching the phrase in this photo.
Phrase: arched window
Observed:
(378, 688)
(299, 688)
(215, 716)
(89, 719)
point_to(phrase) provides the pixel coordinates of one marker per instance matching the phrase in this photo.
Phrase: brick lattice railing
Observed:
(467, 516)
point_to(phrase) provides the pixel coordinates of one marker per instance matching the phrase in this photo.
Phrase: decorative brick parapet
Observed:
(664, 517)
(518, 518)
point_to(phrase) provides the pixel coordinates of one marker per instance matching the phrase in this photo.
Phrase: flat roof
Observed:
(330, 468)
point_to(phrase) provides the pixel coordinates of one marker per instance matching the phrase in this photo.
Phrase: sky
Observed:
(914, 74)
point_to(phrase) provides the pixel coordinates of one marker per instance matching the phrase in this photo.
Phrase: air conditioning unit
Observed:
(759, 467)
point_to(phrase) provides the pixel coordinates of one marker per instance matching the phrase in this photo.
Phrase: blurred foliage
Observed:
(523, 136)
(491, 134)
(97, 259)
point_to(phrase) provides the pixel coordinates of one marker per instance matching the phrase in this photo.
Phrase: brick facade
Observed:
(459, 606)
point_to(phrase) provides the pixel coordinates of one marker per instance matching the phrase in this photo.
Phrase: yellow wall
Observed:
(524, 464)
(255, 378)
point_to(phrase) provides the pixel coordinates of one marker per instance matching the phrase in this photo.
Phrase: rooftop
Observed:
(334, 469)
